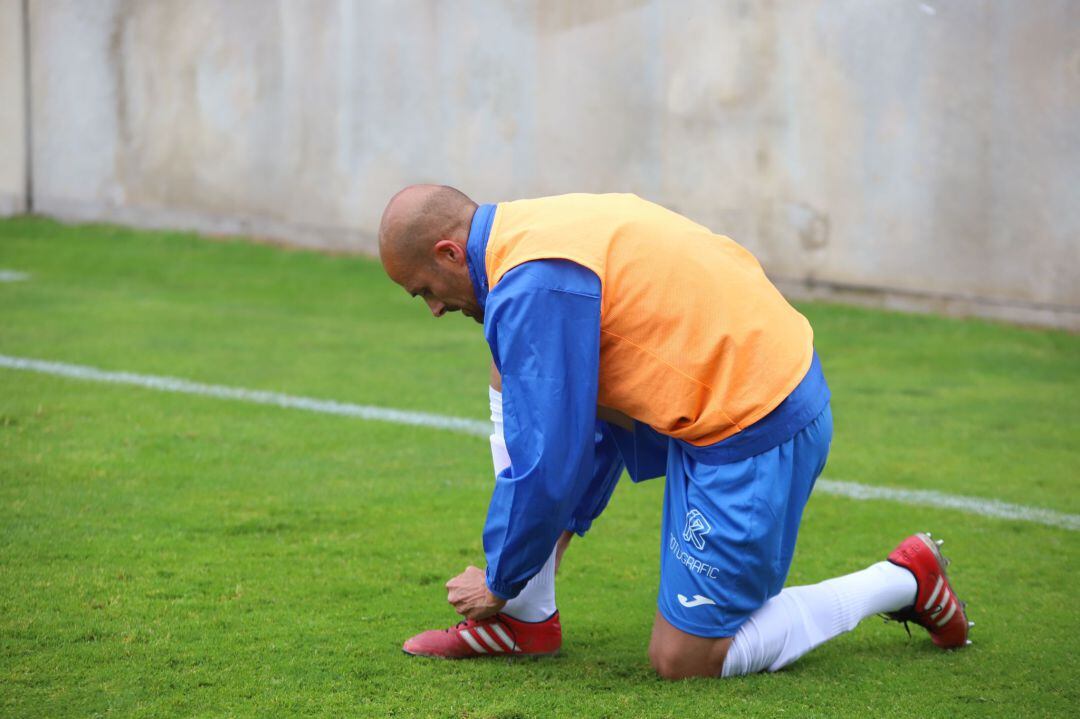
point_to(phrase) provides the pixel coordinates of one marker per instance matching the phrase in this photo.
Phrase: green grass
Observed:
(171, 555)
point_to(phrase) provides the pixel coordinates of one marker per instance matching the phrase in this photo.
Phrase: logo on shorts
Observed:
(696, 528)
(697, 601)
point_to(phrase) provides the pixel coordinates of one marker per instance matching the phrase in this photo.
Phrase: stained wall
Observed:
(921, 155)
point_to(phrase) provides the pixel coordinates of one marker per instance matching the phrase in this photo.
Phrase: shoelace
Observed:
(889, 619)
(910, 615)
(507, 627)
(459, 625)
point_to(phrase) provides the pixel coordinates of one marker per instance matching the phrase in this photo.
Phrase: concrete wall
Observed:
(906, 153)
(13, 165)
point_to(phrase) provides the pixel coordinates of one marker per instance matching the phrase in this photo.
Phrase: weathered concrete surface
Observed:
(13, 166)
(914, 154)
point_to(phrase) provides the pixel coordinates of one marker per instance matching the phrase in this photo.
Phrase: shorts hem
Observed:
(722, 631)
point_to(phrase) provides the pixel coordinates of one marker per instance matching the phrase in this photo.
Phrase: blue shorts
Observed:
(731, 509)
(729, 529)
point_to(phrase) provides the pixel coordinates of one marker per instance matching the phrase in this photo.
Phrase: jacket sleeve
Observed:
(542, 321)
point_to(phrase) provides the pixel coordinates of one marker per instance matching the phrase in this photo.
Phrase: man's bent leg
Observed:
(728, 534)
(801, 618)
(786, 627)
(912, 583)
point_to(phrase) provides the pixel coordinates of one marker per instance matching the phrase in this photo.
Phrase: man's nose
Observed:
(438, 309)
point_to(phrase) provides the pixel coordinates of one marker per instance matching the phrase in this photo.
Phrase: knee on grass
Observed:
(672, 661)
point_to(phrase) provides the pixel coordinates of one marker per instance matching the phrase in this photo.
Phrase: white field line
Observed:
(852, 490)
(971, 505)
(12, 276)
(173, 384)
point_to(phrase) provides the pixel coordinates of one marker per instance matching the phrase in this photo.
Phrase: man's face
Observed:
(444, 292)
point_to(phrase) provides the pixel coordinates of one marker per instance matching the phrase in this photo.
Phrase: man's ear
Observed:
(449, 251)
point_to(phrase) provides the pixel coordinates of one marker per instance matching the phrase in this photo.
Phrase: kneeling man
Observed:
(625, 335)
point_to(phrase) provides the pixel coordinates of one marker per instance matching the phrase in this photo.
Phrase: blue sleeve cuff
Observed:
(503, 591)
(579, 526)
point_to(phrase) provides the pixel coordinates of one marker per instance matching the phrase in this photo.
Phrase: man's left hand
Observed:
(469, 595)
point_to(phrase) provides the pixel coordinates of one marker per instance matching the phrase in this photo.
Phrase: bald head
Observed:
(423, 241)
(418, 217)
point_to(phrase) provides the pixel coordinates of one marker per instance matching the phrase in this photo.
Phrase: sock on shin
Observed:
(801, 618)
(536, 602)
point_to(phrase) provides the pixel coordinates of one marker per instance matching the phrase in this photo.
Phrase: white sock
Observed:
(536, 602)
(800, 618)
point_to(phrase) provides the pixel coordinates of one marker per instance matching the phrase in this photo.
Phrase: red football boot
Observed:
(494, 636)
(937, 608)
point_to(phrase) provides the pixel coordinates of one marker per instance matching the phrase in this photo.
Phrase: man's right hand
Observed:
(470, 597)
